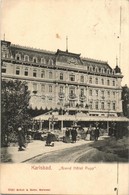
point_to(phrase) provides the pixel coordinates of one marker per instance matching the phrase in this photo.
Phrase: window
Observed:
(4, 69)
(42, 74)
(34, 86)
(96, 80)
(102, 93)
(82, 92)
(102, 70)
(102, 81)
(96, 92)
(96, 105)
(90, 92)
(108, 93)
(108, 82)
(61, 89)
(108, 106)
(43, 61)
(90, 80)
(50, 62)
(61, 76)
(17, 70)
(18, 57)
(26, 72)
(50, 88)
(72, 91)
(91, 68)
(34, 59)
(42, 88)
(90, 104)
(72, 77)
(34, 73)
(113, 83)
(113, 94)
(26, 58)
(102, 105)
(50, 75)
(82, 79)
(114, 106)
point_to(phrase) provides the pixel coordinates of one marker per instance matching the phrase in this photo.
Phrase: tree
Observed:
(125, 98)
(14, 107)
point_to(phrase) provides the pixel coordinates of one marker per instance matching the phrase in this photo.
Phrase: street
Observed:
(73, 154)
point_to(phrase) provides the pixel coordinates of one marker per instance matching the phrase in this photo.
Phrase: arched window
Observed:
(91, 69)
(43, 61)
(50, 62)
(26, 58)
(108, 71)
(96, 69)
(35, 59)
(18, 56)
(102, 70)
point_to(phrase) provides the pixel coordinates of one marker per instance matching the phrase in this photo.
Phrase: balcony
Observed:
(82, 97)
(61, 95)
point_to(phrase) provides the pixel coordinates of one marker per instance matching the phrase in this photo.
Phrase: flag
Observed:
(58, 36)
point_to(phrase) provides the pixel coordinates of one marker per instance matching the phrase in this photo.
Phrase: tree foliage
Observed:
(14, 106)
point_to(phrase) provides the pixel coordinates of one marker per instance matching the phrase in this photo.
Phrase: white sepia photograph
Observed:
(65, 89)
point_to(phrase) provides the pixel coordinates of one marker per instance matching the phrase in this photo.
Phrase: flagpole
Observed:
(66, 43)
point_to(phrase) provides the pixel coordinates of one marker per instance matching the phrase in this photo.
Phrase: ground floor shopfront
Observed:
(61, 122)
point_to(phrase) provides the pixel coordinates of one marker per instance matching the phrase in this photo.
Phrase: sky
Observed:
(92, 26)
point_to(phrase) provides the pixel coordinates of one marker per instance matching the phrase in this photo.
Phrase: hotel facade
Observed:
(64, 80)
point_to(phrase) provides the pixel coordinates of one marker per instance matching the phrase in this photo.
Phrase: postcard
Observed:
(64, 97)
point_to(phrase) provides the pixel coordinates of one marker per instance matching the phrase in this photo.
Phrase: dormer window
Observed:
(108, 71)
(50, 62)
(102, 70)
(18, 57)
(26, 58)
(43, 61)
(34, 59)
(91, 68)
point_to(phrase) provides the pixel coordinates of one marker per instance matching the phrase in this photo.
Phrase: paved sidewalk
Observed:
(37, 147)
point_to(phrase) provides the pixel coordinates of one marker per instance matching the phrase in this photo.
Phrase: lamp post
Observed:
(52, 120)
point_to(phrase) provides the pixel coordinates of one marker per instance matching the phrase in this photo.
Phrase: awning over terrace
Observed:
(79, 118)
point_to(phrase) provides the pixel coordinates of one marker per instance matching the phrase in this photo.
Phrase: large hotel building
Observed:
(80, 86)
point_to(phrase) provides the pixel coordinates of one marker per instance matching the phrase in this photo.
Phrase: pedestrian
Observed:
(21, 140)
(96, 133)
(67, 136)
(74, 135)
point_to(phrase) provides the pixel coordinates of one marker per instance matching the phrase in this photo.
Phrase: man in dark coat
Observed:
(74, 134)
(21, 139)
(96, 133)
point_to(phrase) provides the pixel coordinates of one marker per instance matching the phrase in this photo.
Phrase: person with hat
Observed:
(21, 140)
